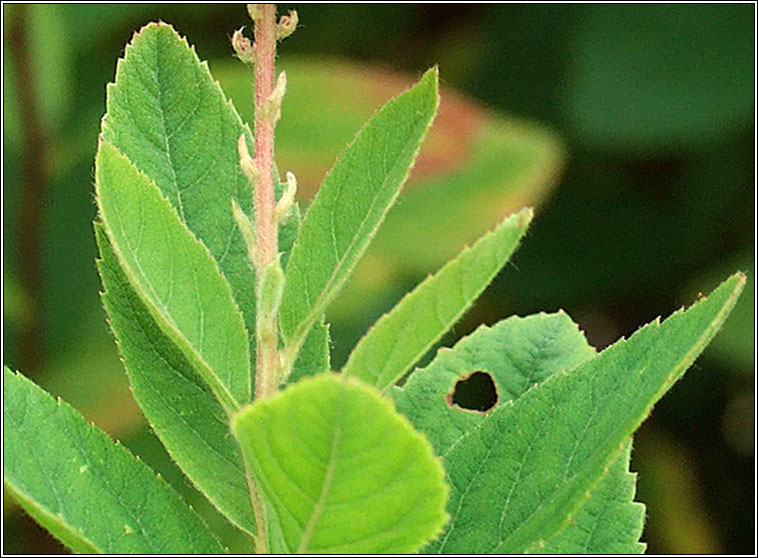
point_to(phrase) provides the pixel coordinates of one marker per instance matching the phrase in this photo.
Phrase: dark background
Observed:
(654, 103)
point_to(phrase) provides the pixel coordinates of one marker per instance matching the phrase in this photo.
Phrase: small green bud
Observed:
(247, 230)
(272, 109)
(286, 25)
(255, 11)
(288, 198)
(270, 290)
(249, 168)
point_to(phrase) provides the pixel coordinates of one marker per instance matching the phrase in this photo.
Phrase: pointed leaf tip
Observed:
(351, 204)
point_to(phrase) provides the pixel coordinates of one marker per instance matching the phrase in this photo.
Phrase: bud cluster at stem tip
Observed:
(243, 48)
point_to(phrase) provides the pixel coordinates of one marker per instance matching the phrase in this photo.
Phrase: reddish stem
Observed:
(264, 52)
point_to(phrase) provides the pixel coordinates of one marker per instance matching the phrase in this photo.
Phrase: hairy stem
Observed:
(264, 50)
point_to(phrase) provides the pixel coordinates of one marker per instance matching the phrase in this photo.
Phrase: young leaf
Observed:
(517, 353)
(169, 117)
(523, 472)
(403, 335)
(176, 401)
(174, 275)
(90, 493)
(341, 470)
(351, 204)
(609, 522)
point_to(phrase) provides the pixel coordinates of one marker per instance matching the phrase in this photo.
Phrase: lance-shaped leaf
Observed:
(351, 204)
(174, 275)
(527, 468)
(341, 470)
(168, 115)
(609, 522)
(410, 329)
(180, 406)
(90, 493)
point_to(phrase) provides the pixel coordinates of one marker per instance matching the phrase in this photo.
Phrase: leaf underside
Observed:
(545, 471)
(169, 117)
(90, 493)
(342, 471)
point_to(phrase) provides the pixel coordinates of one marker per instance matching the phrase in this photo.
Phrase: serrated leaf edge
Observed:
(167, 325)
(169, 450)
(520, 219)
(334, 284)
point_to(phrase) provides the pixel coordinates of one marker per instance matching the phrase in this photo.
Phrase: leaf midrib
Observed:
(319, 506)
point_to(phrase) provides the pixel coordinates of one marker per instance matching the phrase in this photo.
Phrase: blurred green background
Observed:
(630, 128)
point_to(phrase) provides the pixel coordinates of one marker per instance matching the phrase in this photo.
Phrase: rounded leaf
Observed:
(342, 470)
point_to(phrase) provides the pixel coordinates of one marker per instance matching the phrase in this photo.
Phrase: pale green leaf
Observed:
(352, 203)
(89, 492)
(519, 476)
(410, 329)
(174, 276)
(341, 470)
(609, 522)
(168, 115)
(180, 406)
(517, 353)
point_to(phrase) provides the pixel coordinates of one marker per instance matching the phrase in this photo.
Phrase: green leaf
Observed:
(351, 204)
(176, 401)
(341, 470)
(313, 357)
(537, 458)
(174, 276)
(517, 353)
(90, 493)
(410, 329)
(169, 117)
(609, 522)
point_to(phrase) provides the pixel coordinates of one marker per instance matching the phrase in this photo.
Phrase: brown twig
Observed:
(34, 178)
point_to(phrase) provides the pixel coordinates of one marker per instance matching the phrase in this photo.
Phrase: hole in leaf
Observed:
(475, 392)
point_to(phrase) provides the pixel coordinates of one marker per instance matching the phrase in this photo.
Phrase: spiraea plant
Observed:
(216, 289)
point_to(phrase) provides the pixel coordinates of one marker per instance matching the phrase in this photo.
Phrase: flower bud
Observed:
(242, 47)
(288, 197)
(246, 161)
(247, 230)
(286, 25)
